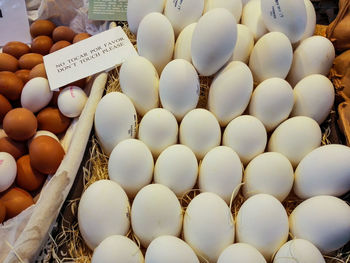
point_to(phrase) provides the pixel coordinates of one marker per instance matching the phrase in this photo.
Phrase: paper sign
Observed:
(14, 24)
(110, 10)
(95, 54)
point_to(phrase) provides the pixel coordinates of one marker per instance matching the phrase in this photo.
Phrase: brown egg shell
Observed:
(27, 177)
(20, 124)
(59, 45)
(8, 63)
(23, 74)
(30, 60)
(16, 149)
(16, 49)
(51, 119)
(10, 85)
(16, 200)
(2, 212)
(5, 107)
(42, 45)
(42, 28)
(80, 37)
(63, 33)
(38, 71)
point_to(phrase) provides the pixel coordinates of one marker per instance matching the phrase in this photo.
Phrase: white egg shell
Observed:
(71, 101)
(138, 9)
(156, 40)
(2, 134)
(139, 81)
(103, 211)
(298, 250)
(262, 222)
(169, 249)
(288, 17)
(208, 226)
(322, 220)
(155, 212)
(230, 92)
(177, 168)
(122, 168)
(117, 249)
(234, 6)
(221, 173)
(183, 43)
(247, 136)
(36, 94)
(252, 18)
(311, 20)
(183, 13)
(241, 252)
(115, 120)
(314, 97)
(272, 102)
(268, 173)
(8, 170)
(314, 55)
(213, 41)
(158, 129)
(200, 131)
(41, 133)
(179, 88)
(271, 57)
(295, 138)
(324, 171)
(244, 44)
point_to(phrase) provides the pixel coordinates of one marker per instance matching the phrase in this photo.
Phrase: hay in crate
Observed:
(96, 168)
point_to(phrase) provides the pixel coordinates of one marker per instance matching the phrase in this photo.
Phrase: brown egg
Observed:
(16, 49)
(20, 124)
(54, 99)
(80, 37)
(51, 119)
(63, 33)
(16, 200)
(5, 107)
(23, 74)
(42, 28)
(59, 45)
(30, 60)
(79, 83)
(16, 149)
(27, 177)
(42, 45)
(38, 71)
(10, 85)
(8, 62)
(2, 212)
(46, 154)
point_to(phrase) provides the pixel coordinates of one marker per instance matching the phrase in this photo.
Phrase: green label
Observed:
(109, 10)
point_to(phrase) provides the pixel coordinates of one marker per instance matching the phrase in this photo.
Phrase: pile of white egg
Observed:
(260, 129)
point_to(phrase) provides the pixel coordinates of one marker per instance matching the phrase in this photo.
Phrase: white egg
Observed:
(246, 135)
(177, 168)
(268, 173)
(117, 249)
(271, 57)
(155, 40)
(71, 101)
(115, 120)
(8, 170)
(138, 9)
(234, 6)
(244, 44)
(221, 173)
(41, 133)
(103, 211)
(155, 212)
(169, 249)
(158, 129)
(230, 92)
(262, 222)
(252, 18)
(122, 166)
(288, 17)
(213, 41)
(314, 55)
(272, 102)
(208, 226)
(2, 134)
(139, 81)
(295, 138)
(183, 43)
(183, 13)
(322, 220)
(311, 20)
(200, 131)
(241, 252)
(324, 171)
(36, 94)
(179, 88)
(314, 97)
(298, 250)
